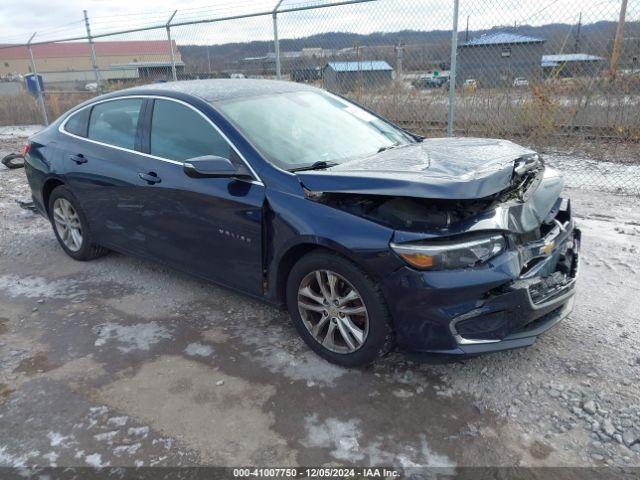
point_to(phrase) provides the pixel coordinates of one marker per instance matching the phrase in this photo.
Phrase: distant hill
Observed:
(423, 48)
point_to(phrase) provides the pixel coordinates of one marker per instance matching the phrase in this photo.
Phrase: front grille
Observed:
(549, 262)
(550, 288)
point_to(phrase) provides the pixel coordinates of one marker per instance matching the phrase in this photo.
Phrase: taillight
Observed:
(25, 148)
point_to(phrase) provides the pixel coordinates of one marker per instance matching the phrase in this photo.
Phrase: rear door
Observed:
(210, 226)
(102, 168)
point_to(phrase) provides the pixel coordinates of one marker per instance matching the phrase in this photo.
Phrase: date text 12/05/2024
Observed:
(316, 472)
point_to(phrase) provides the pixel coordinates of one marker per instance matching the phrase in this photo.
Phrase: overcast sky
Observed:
(54, 19)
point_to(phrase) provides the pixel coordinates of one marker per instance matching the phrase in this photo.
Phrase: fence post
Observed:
(276, 42)
(94, 60)
(174, 74)
(43, 108)
(452, 70)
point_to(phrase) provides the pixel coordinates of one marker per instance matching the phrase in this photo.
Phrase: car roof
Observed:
(220, 89)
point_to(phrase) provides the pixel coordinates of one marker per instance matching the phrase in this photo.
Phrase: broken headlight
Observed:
(466, 251)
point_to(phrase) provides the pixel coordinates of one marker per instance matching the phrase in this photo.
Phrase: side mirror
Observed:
(211, 166)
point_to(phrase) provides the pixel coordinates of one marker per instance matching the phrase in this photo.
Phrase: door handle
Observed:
(79, 159)
(150, 178)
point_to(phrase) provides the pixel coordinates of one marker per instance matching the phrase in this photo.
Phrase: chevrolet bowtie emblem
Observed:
(548, 248)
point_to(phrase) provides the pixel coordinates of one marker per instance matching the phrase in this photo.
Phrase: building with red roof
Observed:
(65, 62)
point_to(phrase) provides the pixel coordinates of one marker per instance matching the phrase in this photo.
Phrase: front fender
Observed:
(293, 221)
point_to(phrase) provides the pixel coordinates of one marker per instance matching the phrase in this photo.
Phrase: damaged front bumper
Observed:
(504, 304)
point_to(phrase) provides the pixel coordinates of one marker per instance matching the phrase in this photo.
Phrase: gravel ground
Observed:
(121, 362)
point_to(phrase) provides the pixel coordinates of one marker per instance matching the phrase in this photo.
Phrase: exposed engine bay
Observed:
(420, 214)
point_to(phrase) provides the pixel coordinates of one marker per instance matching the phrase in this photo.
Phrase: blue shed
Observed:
(498, 58)
(348, 76)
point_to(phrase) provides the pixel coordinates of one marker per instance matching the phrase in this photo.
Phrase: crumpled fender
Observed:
(514, 216)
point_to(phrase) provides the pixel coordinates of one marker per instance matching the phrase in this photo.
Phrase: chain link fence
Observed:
(558, 75)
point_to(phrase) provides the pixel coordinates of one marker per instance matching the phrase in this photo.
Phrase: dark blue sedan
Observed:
(369, 235)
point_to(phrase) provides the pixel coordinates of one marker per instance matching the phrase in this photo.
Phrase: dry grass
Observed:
(567, 113)
(23, 109)
(562, 113)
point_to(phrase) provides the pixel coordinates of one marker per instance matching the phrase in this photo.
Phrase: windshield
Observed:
(299, 129)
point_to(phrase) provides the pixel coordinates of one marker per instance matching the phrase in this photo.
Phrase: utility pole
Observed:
(43, 108)
(466, 34)
(208, 59)
(615, 55)
(92, 47)
(452, 72)
(174, 73)
(276, 42)
(399, 57)
(576, 46)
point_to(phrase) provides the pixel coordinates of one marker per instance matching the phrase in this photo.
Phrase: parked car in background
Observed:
(520, 82)
(11, 77)
(370, 236)
(431, 82)
(470, 84)
(91, 87)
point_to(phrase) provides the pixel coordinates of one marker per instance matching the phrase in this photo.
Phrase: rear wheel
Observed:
(71, 227)
(338, 310)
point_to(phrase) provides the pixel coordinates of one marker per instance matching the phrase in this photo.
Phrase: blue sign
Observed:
(32, 86)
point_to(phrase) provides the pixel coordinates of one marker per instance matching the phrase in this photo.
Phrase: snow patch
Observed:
(142, 432)
(16, 461)
(342, 436)
(118, 421)
(106, 436)
(98, 410)
(18, 131)
(34, 287)
(52, 457)
(198, 350)
(345, 441)
(131, 337)
(167, 443)
(9, 460)
(57, 439)
(126, 449)
(95, 460)
(270, 346)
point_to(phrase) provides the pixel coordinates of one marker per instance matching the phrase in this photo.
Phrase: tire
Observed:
(88, 249)
(374, 334)
(13, 161)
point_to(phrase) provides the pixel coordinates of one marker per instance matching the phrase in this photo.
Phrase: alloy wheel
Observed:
(333, 311)
(67, 224)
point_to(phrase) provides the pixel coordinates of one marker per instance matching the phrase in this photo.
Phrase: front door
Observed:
(209, 226)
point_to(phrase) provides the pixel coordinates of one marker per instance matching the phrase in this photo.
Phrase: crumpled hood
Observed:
(446, 168)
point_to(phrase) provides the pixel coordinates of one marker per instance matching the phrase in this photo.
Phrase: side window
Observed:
(179, 133)
(115, 122)
(77, 123)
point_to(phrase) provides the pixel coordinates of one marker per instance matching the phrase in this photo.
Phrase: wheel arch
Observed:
(47, 188)
(290, 256)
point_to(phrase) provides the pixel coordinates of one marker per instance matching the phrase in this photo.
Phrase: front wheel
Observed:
(338, 310)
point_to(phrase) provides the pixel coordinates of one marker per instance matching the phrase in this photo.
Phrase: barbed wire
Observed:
(537, 73)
